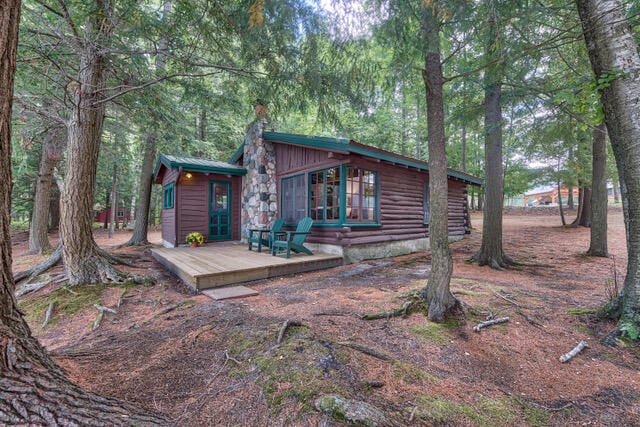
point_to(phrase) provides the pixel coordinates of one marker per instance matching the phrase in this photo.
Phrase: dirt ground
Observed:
(205, 362)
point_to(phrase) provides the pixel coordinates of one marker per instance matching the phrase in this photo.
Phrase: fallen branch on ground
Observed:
(529, 318)
(402, 311)
(174, 307)
(332, 313)
(226, 354)
(101, 309)
(37, 270)
(367, 350)
(285, 326)
(122, 294)
(30, 287)
(519, 308)
(489, 323)
(48, 314)
(574, 352)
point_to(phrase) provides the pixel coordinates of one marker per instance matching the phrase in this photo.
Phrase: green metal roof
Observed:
(342, 144)
(194, 164)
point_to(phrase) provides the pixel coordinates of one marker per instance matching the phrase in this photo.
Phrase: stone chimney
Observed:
(259, 187)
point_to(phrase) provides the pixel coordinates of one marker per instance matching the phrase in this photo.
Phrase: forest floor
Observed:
(205, 362)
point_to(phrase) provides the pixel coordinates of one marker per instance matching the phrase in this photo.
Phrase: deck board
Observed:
(227, 263)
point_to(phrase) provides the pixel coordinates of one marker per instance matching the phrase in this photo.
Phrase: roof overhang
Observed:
(191, 167)
(343, 145)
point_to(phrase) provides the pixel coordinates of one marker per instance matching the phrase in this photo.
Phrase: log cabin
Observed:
(365, 202)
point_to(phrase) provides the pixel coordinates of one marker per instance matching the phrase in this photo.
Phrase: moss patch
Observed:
(412, 374)
(485, 412)
(434, 333)
(299, 370)
(66, 302)
(581, 311)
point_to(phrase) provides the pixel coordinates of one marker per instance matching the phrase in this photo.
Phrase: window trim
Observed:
(374, 222)
(169, 189)
(342, 211)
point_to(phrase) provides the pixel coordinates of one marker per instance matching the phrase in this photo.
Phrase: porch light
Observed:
(188, 175)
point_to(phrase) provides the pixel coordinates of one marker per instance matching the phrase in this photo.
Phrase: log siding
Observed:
(401, 192)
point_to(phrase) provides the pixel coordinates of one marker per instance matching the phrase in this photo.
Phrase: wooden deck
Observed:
(220, 264)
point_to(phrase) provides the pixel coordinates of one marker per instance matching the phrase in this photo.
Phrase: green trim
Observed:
(342, 144)
(169, 196)
(229, 212)
(186, 166)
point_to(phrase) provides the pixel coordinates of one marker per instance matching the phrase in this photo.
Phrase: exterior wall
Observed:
(192, 201)
(259, 187)
(168, 216)
(190, 211)
(400, 196)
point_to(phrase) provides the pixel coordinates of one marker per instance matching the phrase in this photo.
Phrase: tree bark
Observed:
(440, 301)
(113, 213)
(613, 50)
(140, 227)
(570, 204)
(33, 389)
(599, 198)
(585, 217)
(39, 230)
(83, 259)
(491, 252)
(562, 218)
(54, 208)
(463, 153)
(143, 217)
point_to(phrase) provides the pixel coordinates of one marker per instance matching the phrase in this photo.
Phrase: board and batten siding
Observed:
(168, 216)
(193, 199)
(401, 193)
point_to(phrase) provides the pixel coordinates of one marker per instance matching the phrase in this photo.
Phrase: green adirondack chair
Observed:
(263, 236)
(292, 240)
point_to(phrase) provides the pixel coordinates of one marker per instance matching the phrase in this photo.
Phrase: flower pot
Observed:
(195, 244)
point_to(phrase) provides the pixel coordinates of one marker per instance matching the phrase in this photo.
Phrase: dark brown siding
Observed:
(291, 158)
(192, 202)
(168, 216)
(401, 198)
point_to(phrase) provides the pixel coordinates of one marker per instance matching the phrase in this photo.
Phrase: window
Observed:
(427, 204)
(168, 196)
(361, 195)
(324, 200)
(294, 198)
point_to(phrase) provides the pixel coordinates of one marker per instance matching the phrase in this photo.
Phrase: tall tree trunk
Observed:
(612, 49)
(440, 301)
(84, 261)
(562, 218)
(599, 198)
(491, 252)
(107, 203)
(578, 218)
(140, 227)
(39, 230)
(480, 200)
(616, 195)
(33, 389)
(113, 214)
(585, 218)
(463, 154)
(54, 208)
(134, 193)
(145, 217)
(570, 203)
